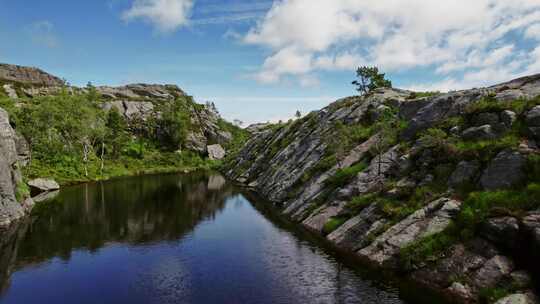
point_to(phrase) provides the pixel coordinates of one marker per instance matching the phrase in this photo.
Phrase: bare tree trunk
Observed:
(85, 158)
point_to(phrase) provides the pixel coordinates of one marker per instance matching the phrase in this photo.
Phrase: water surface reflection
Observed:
(168, 239)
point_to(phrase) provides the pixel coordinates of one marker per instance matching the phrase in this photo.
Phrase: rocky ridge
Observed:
(389, 200)
(133, 101)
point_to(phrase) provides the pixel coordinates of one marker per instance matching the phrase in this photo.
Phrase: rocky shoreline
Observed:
(432, 205)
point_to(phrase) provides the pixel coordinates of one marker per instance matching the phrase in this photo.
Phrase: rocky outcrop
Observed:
(28, 75)
(335, 172)
(12, 207)
(141, 91)
(135, 102)
(216, 152)
(425, 222)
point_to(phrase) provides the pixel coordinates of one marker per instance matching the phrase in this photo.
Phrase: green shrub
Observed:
(333, 224)
(427, 249)
(479, 205)
(493, 294)
(416, 95)
(533, 168)
(490, 104)
(22, 191)
(358, 203)
(344, 176)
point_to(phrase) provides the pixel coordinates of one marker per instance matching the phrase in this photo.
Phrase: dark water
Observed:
(169, 239)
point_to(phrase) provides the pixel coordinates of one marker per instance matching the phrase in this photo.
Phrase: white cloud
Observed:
(459, 36)
(533, 31)
(42, 33)
(165, 15)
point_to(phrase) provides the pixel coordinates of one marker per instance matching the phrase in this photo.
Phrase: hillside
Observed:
(441, 188)
(50, 129)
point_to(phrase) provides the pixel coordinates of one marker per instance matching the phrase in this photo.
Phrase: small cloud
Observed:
(166, 15)
(42, 33)
(232, 34)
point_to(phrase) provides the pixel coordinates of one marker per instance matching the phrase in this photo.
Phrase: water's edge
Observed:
(408, 288)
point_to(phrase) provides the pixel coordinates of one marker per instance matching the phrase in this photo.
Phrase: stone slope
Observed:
(403, 181)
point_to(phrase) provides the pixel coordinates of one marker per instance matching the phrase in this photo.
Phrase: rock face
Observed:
(329, 168)
(28, 75)
(425, 222)
(10, 176)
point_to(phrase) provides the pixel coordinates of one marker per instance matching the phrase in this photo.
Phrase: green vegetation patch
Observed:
(73, 139)
(22, 191)
(416, 95)
(345, 175)
(332, 224)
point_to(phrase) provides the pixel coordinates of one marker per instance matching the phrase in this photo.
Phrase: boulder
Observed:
(216, 152)
(483, 132)
(507, 169)
(503, 231)
(465, 173)
(10, 91)
(40, 185)
(486, 118)
(519, 298)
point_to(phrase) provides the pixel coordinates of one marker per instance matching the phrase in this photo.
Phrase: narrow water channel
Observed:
(191, 238)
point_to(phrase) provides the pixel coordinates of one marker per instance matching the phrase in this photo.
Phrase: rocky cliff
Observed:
(442, 188)
(14, 202)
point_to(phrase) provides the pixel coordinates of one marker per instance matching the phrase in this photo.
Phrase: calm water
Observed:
(169, 239)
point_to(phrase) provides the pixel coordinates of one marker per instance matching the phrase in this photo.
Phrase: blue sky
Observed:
(261, 60)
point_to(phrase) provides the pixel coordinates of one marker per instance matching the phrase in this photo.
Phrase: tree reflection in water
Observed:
(133, 210)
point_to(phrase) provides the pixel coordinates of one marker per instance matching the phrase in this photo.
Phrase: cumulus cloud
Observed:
(467, 38)
(165, 15)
